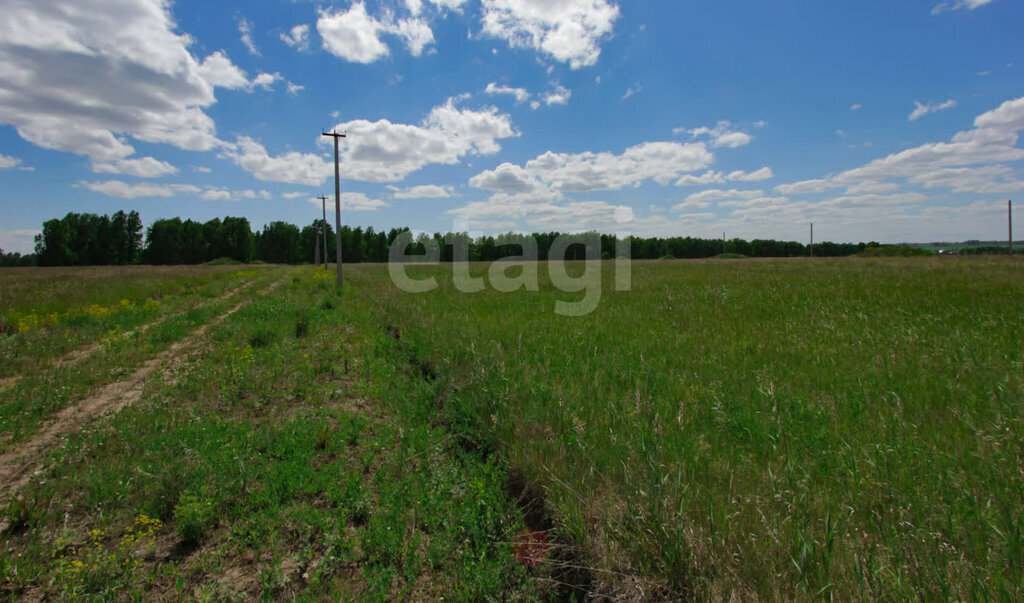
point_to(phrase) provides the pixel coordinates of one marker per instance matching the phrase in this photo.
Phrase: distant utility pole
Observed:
(323, 227)
(316, 248)
(337, 199)
(812, 239)
(723, 241)
(1009, 222)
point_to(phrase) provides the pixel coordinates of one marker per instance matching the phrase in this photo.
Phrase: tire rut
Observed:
(18, 466)
(75, 356)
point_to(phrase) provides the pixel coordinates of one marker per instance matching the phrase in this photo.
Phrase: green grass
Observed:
(46, 386)
(783, 429)
(54, 290)
(49, 312)
(310, 465)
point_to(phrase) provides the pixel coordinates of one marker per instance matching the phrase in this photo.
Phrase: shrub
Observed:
(894, 251)
(223, 261)
(193, 515)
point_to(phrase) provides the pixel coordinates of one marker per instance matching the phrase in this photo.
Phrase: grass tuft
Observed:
(193, 517)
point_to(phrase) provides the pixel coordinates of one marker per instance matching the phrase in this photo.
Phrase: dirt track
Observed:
(77, 355)
(17, 466)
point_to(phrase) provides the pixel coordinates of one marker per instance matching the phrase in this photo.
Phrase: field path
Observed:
(75, 356)
(17, 466)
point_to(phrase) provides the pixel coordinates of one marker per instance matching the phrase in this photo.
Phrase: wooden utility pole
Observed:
(323, 227)
(316, 248)
(337, 199)
(812, 239)
(1009, 222)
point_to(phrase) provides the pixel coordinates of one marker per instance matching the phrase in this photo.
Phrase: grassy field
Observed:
(291, 450)
(780, 429)
(762, 429)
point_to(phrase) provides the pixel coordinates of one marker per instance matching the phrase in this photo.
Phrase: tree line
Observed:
(89, 239)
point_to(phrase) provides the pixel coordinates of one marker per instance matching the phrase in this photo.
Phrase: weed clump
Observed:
(18, 514)
(302, 326)
(7, 327)
(323, 437)
(193, 516)
(262, 337)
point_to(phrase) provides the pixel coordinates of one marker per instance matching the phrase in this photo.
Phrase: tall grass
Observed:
(780, 429)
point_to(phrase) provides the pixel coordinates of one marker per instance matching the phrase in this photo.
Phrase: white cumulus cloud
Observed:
(708, 177)
(416, 33)
(292, 167)
(521, 94)
(143, 167)
(717, 194)
(297, 37)
(560, 95)
(223, 194)
(756, 176)
(218, 70)
(721, 135)
(973, 161)
(352, 35)
(989, 179)
(87, 80)
(354, 202)
(383, 151)
(123, 190)
(569, 31)
(662, 162)
(426, 191)
(355, 35)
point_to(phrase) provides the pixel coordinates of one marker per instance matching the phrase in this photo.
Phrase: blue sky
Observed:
(888, 121)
